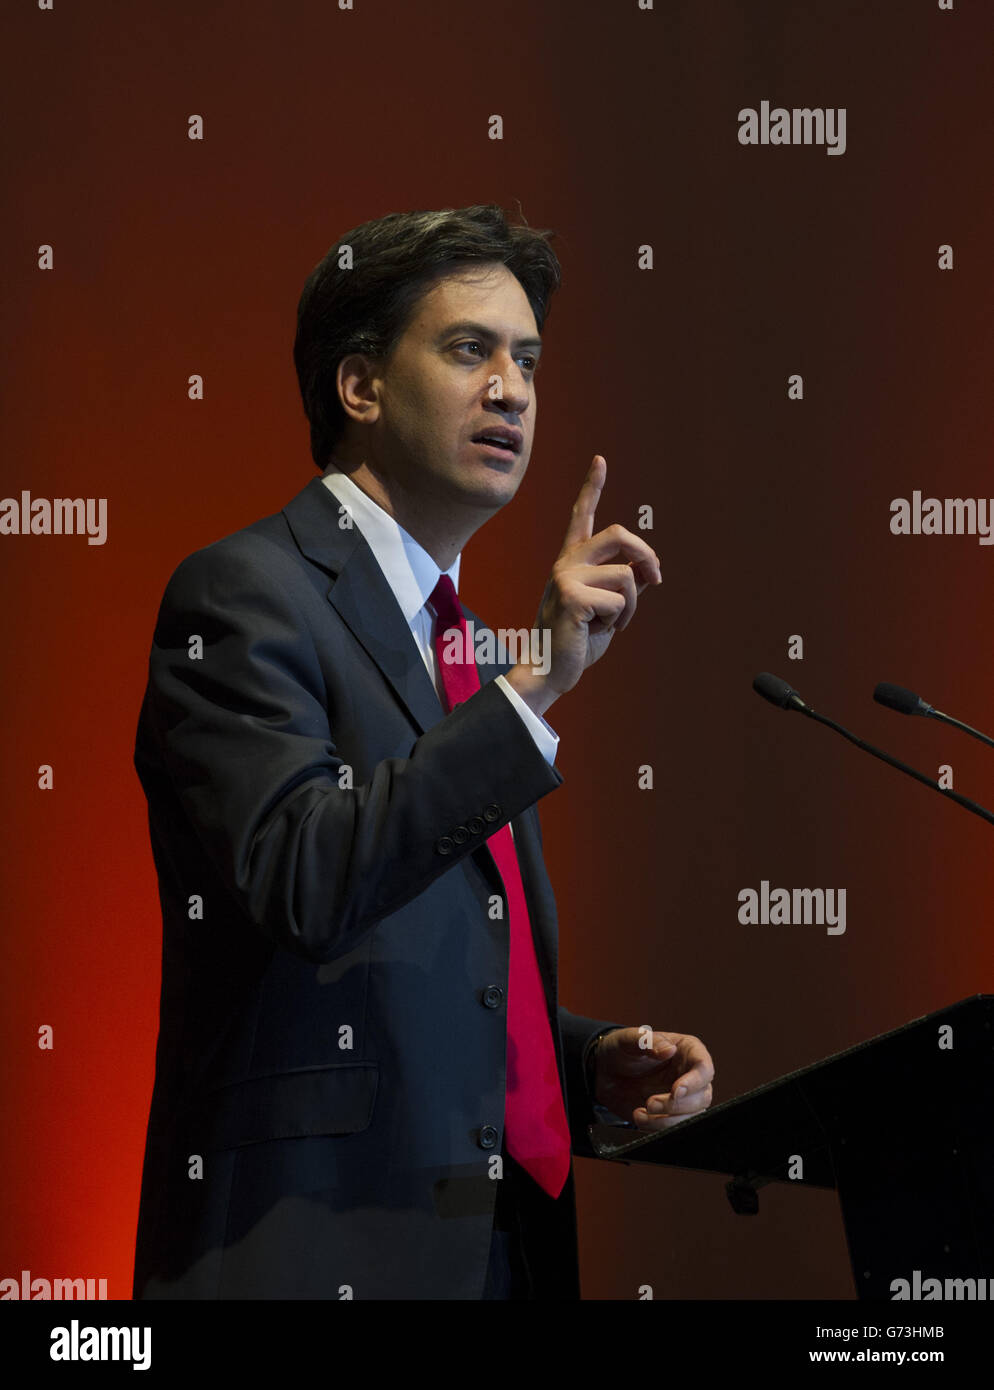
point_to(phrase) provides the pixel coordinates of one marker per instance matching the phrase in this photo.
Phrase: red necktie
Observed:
(536, 1132)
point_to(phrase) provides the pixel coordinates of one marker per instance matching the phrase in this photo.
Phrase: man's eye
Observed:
(530, 363)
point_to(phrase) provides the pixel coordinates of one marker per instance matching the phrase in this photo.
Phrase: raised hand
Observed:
(587, 599)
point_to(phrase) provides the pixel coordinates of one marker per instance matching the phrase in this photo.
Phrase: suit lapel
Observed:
(363, 598)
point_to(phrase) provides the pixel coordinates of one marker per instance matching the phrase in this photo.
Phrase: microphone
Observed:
(779, 693)
(904, 701)
(907, 702)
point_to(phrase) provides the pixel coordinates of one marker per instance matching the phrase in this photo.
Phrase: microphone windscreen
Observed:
(772, 688)
(896, 697)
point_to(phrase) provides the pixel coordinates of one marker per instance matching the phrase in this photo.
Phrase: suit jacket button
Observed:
(488, 1137)
(491, 812)
(492, 996)
(474, 825)
(460, 834)
(444, 845)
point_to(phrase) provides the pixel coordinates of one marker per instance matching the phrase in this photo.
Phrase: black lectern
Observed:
(901, 1126)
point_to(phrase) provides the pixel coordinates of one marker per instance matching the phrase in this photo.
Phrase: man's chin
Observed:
(489, 490)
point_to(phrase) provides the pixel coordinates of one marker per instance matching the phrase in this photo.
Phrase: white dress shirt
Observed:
(412, 575)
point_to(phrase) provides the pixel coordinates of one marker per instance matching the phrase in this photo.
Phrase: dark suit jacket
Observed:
(330, 1068)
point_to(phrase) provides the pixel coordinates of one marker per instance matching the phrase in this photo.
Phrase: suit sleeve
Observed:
(579, 1034)
(241, 735)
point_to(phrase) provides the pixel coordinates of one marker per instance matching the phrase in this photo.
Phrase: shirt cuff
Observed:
(545, 738)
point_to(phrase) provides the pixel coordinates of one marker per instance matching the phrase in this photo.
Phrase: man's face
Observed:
(434, 392)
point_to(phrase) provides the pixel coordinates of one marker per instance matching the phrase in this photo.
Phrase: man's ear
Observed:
(357, 382)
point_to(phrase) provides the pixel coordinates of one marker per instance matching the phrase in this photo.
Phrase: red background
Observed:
(175, 257)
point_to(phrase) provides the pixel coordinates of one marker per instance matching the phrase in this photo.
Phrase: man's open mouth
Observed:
(507, 441)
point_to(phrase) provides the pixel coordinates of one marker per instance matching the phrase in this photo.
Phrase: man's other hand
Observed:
(654, 1083)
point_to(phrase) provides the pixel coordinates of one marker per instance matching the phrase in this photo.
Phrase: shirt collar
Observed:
(407, 567)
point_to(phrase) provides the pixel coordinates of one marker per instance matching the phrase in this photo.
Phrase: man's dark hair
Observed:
(395, 261)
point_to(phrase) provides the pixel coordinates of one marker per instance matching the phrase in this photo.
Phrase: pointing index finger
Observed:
(581, 526)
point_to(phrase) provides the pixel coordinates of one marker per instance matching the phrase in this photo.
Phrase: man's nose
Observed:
(512, 389)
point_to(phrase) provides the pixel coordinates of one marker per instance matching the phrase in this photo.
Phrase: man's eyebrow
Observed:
(480, 330)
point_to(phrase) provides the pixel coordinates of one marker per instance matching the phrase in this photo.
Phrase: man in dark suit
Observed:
(365, 1084)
